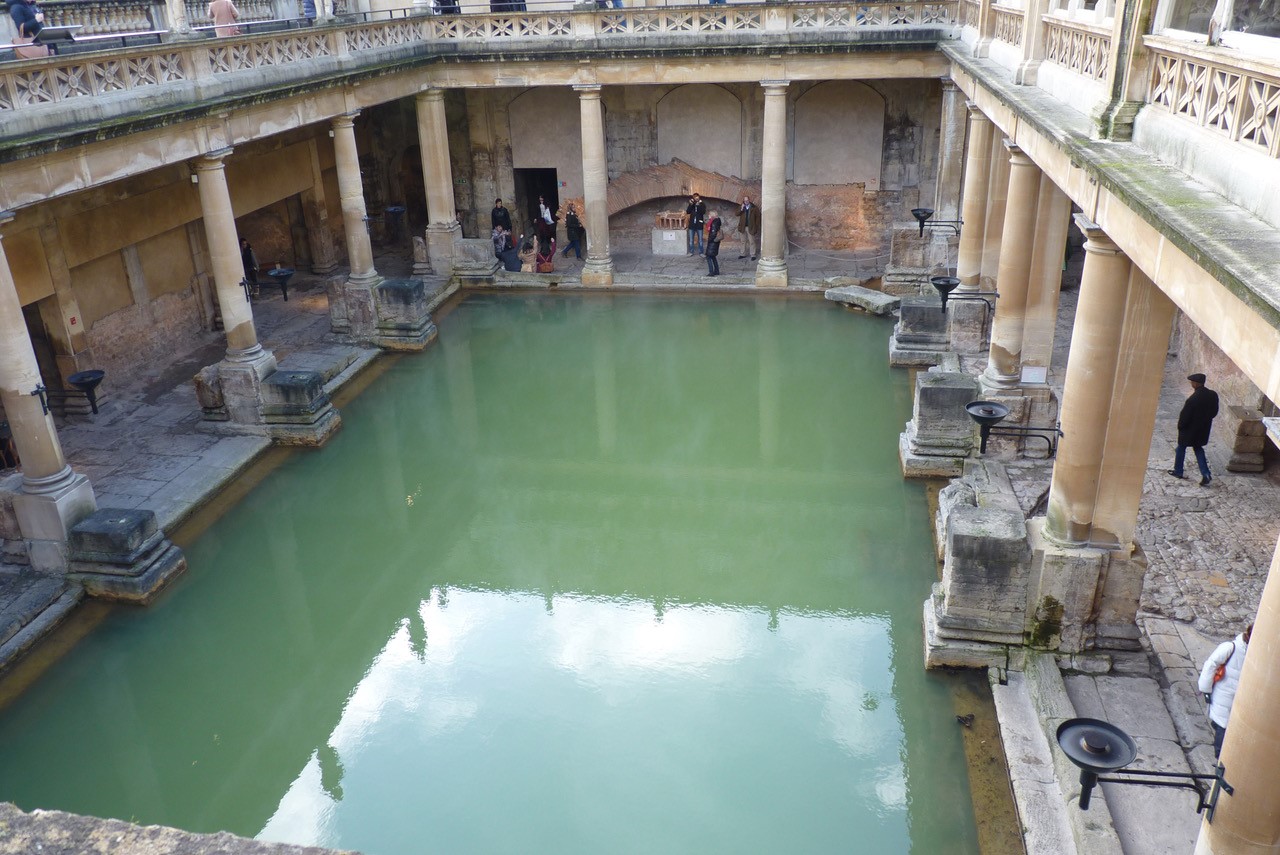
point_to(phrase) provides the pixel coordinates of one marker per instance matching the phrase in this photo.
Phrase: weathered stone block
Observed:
(404, 323)
(984, 576)
(1249, 444)
(968, 325)
(920, 336)
(942, 426)
(10, 486)
(875, 302)
(296, 408)
(209, 393)
(113, 535)
(122, 555)
(1250, 462)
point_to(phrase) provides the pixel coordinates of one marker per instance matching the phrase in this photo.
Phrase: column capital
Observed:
(345, 120)
(949, 85)
(431, 93)
(587, 90)
(211, 161)
(975, 112)
(1096, 240)
(1017, 157)
(775, 87)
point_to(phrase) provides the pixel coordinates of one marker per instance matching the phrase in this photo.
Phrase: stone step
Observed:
(23, 595)
(40, 625)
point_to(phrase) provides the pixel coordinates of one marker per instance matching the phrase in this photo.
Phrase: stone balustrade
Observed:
(1008, 24)
(99, 18)
(53, 80)
(1217, 89)
(970, 13)
(1077, 46)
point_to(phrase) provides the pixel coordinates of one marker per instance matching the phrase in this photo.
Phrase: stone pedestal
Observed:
(920, 336)
(352, 310)
(1248, 439)
(46, 513)
(968, 322)
(441, 246)
(296, 408)
(122, 555)
(940, 434)
(668, 241)
(239, 385)
(404, 324)
(474, 264)
(914, 258)
(421, 260)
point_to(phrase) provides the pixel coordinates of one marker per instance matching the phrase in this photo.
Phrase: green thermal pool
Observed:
(591, 575)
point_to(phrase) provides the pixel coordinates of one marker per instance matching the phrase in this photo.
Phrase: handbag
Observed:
(546, 267)
(23, 48)
(1221, 670)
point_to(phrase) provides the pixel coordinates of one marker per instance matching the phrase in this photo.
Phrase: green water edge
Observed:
(594, 573)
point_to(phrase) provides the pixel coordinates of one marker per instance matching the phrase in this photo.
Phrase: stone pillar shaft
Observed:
(1247, 822)
(1004, 362)
(977, 180)
(224, 254)
(772, 269)
(1053, 220)
(34, 433)
(1144, 341)
(433, 138)
(1087, 392)
(993, 229)
(598, 268)
(946, 199)
(351, 195)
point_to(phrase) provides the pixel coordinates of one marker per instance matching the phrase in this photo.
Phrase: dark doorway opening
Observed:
(530, 184)
(46, 357)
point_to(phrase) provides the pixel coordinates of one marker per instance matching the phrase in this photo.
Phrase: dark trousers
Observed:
(1180, 457)
(575, 246)
(713, 260)
(694, 240)
(1219, 732)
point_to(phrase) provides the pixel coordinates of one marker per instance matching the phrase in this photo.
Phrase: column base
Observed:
(352, 307)
(297, 410)
(122, 555)
(920, 336)
(47, 510)
(771, 273)
(441, 238)
(404, 324)
(474, 264)
(939, 437)
(995, 383)
(967, 324)
(598, 272)
(238, 385)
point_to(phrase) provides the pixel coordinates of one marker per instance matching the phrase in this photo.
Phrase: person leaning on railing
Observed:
(27, 17)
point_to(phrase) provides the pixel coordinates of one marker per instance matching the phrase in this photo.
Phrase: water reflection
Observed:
(650, 703)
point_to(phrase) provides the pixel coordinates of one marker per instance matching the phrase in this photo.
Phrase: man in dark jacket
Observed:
(1194, 423)
(499, 216)
(697, 212)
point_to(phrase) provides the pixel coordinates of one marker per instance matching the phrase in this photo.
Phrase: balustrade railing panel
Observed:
(970, 12)
(98, 18)
(1238, 99)
(1008, 25)
(57, 79)
(1077, 47)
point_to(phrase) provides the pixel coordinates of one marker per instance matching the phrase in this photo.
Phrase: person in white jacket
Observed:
(1222, 694)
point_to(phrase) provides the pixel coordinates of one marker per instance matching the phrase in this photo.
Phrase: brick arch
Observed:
(676, 178)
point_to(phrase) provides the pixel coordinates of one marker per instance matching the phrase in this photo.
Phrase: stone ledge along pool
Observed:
(592, 574)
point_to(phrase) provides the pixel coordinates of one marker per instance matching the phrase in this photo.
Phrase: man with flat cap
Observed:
(1194, 423)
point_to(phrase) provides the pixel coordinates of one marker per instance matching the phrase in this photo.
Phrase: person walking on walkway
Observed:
(697, 213)
(714, 233)
(749, 228)
(573, 231)
(1194, 423)
(224, 15)
(250, 262)
(1219, 679)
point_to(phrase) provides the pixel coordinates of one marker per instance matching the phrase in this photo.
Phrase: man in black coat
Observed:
(499, 216)
(1194, 423)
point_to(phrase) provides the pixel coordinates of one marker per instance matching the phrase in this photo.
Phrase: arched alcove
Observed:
(546, 133)
(839, 135)
(701, 124)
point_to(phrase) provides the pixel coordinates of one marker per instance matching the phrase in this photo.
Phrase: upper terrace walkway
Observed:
(51, 103)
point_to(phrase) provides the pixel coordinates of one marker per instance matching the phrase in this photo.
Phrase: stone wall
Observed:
(1196, 353)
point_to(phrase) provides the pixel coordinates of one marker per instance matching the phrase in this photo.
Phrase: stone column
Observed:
(598, 268)
(224, 253)
(946, 198)
(240, 374)
(54, 498)
(1247, 822)
(1053, 219)
(176, 13)
(1087, 392)
(351, 196)
(772, 270)
(993, 228)
(977, 180)
(1144, 342)
(443, 230)
(1004, 366)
